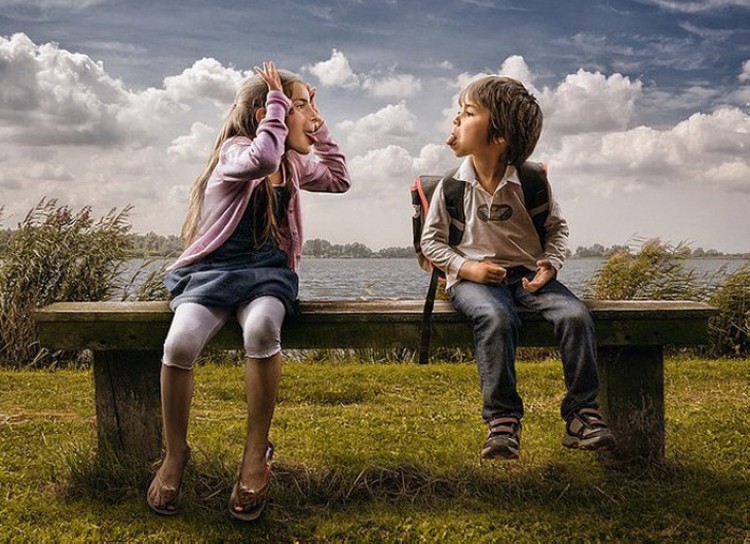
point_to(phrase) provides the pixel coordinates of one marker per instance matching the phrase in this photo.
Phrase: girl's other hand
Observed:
(270, 75)
(316, 112)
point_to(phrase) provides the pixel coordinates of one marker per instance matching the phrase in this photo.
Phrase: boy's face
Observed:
(470, 129)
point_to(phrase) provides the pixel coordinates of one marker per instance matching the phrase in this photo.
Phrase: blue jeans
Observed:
(492, 311)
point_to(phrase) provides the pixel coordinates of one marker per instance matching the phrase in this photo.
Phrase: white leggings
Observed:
(194, 325)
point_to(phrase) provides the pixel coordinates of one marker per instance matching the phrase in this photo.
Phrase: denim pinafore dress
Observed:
(237, 272)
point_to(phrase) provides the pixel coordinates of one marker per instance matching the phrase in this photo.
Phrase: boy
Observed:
(501, 261)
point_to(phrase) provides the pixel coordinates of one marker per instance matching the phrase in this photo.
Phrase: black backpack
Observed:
(533, 178)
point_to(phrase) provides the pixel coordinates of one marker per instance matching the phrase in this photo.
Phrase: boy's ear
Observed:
(260, 113)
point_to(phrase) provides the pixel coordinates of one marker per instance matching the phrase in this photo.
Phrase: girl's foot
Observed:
(250, 492)
(163, 494)
(247, 503)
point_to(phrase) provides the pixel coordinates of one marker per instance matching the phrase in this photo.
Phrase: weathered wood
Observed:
(632, 398)
(127, 340)
(128, 403)
(144, 325)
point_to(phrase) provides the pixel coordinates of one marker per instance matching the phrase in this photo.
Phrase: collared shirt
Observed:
(244, 163)
(498, 227)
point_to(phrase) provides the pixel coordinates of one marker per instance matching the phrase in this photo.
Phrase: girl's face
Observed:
(301, 120)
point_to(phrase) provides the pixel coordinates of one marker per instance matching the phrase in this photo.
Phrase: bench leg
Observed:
(128, 404)
(632, 400)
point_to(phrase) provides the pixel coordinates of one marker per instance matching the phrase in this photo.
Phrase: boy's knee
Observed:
(578, 316)
(491, 320)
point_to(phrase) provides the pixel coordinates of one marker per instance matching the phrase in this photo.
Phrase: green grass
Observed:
(382, 453)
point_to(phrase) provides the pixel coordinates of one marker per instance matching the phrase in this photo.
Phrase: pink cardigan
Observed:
(244, 163)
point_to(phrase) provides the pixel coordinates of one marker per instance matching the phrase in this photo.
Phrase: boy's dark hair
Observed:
(514, 114)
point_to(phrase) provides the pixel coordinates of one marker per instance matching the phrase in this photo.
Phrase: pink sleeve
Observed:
(329, 173)
(243, 159)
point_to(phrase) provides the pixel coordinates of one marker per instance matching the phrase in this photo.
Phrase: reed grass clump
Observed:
(730, 330)
(59, 254)
(655, 271)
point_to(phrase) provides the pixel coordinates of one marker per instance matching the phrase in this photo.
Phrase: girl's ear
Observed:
(260, 113)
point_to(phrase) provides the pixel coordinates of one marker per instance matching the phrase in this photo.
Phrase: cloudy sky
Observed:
(646, 102)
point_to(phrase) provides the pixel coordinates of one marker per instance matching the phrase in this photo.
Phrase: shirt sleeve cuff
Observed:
(320, 134)
(279, 97)
(556, 263)
(453, 267)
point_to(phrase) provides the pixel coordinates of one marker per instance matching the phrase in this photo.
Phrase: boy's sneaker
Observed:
(503, 440)
(587, 430)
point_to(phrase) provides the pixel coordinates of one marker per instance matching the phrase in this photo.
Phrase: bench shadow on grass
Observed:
(553, 491)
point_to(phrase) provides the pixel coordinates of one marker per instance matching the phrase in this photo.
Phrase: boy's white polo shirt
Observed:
(498, 227)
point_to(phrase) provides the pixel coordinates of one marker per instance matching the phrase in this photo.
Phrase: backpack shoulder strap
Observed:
(535, 185)
(453, 192)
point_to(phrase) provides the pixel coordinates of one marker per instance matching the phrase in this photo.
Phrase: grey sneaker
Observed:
(587, 430)
(503, 439)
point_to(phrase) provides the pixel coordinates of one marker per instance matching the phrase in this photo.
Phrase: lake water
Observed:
(365, 279)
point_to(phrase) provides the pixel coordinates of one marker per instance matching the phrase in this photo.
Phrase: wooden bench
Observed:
(126, 339)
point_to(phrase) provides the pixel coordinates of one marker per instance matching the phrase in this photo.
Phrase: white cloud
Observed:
(396, 85)
(336, 72)
(583, 102)
(45, 4)
(703, 149)
(49, 95)
(745, 74)
(707, 33)
(732, 176)
(72, 131)
(696, 6)
(591, 145)
(589, 102)
(208, 79)
(515, 67)
(393, 123)
(196, 146)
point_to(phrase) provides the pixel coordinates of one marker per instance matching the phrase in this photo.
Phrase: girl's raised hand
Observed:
(319, 118)
(270, 75)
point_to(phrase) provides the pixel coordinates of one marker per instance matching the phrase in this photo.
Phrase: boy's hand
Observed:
(270, 75)
(482, 272)
(544, 273)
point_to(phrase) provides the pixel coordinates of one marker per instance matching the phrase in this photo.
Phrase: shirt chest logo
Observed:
(494, 213)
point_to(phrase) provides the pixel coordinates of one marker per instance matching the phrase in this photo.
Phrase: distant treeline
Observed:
(156, 245)
(598, 250)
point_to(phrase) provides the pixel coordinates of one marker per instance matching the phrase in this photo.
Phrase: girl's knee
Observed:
(262, 338)
(180, 353)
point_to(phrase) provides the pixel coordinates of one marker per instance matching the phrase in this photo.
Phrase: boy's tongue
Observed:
(451, 140)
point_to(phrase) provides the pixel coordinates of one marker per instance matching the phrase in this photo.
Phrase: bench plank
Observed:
(385, 324)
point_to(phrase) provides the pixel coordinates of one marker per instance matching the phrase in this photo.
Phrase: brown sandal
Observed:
(168, 497)
(250, 502)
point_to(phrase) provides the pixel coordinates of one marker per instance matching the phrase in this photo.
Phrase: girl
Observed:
(243, 242)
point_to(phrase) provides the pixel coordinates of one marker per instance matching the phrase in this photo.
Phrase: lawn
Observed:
(382, 453)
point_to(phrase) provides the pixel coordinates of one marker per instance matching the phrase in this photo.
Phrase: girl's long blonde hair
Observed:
(240, 122)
